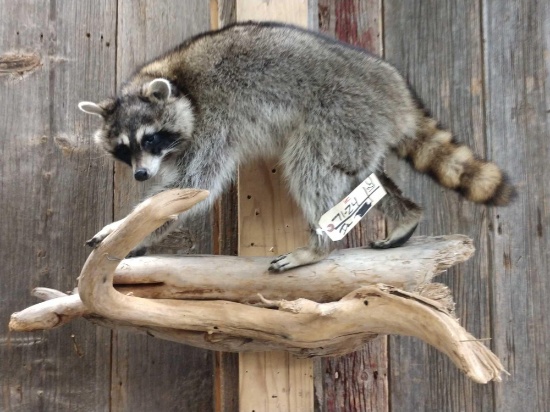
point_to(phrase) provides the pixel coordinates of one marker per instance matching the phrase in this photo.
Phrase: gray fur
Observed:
(330, 111)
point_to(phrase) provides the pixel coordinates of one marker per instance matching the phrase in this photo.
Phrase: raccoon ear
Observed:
(160, 89)
(103, 109)
(92, 108)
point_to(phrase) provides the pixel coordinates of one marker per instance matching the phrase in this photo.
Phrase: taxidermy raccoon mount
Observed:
(330, 112)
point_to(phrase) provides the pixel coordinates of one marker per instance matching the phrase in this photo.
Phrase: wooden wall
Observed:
(481, 66)
(57, 190)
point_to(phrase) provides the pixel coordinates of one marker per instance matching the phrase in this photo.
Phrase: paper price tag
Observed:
(339, 220)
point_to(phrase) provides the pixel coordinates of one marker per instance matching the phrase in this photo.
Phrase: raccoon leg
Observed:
(210, 167)
(404, 212)
(317, 185)
(318, 249)
(103, 233)
(154, 238)
(141, 249)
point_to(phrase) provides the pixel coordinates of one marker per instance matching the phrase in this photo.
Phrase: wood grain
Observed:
(226, 242)
(270, 224)
(493, 95)
(287, 11)
(437, 45)
(183, 374)
(517, 87)
(49, 203)
(359, 381)
(246, 280)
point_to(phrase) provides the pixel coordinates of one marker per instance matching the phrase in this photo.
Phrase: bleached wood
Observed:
(240, 279)
(243, 279)
(300, 326)
(59, 310)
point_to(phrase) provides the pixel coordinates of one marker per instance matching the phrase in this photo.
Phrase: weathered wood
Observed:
(58, 310)
(271, 224)
(239, 279)
(244, 280)
(297, 325)
(517, 99)
(226, 242)
(437, 46)
(52, 53)
(517, 106)
(301, 326)
(358, 23)
(146, 29)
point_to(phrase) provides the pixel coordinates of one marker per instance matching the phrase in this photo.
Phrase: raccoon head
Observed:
(147, 124)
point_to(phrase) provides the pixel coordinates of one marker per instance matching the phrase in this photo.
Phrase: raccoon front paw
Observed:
(299, 257)
(93, 242)
(103, 233)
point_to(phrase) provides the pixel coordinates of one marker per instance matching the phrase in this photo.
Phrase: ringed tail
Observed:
(433, 151)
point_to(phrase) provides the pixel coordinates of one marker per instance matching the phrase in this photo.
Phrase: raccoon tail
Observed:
(454, 166)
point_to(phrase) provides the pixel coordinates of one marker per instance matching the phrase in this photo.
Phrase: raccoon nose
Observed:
(141, 174)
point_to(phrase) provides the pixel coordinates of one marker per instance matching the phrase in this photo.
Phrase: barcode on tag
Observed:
(339, 220)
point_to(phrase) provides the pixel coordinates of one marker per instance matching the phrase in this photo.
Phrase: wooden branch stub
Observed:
(355, 308)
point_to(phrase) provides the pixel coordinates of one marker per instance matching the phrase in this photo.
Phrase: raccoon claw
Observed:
(103, 233)
(381, 244)
(139, 251)
(280, 264)
(93, 242)
(300, 257)
(397, 238)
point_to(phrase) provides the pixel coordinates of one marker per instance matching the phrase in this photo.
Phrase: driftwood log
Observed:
(234, 304)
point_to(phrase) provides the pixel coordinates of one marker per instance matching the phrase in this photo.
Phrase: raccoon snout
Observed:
(141, 174)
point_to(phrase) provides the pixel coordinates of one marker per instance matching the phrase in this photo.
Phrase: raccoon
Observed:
(330, 112)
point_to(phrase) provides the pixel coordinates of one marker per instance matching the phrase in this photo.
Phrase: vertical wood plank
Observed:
(271, 224)
(359, 381)
(181, 376)
(437, 45)
(287, 11)
(517, 85)
(49, 204)
(226, 242)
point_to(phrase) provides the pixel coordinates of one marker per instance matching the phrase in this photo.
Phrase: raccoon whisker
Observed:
(174, 144)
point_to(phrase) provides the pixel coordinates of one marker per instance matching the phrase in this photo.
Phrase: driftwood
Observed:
(234, 304)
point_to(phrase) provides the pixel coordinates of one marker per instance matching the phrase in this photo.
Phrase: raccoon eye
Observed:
(149, 139)
(123, 153)
(157, 142)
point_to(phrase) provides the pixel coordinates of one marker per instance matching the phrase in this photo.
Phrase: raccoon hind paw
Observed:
(398, 237)
(138, 251)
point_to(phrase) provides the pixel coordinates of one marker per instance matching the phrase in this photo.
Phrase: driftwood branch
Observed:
(241, 279)
(214, 302)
